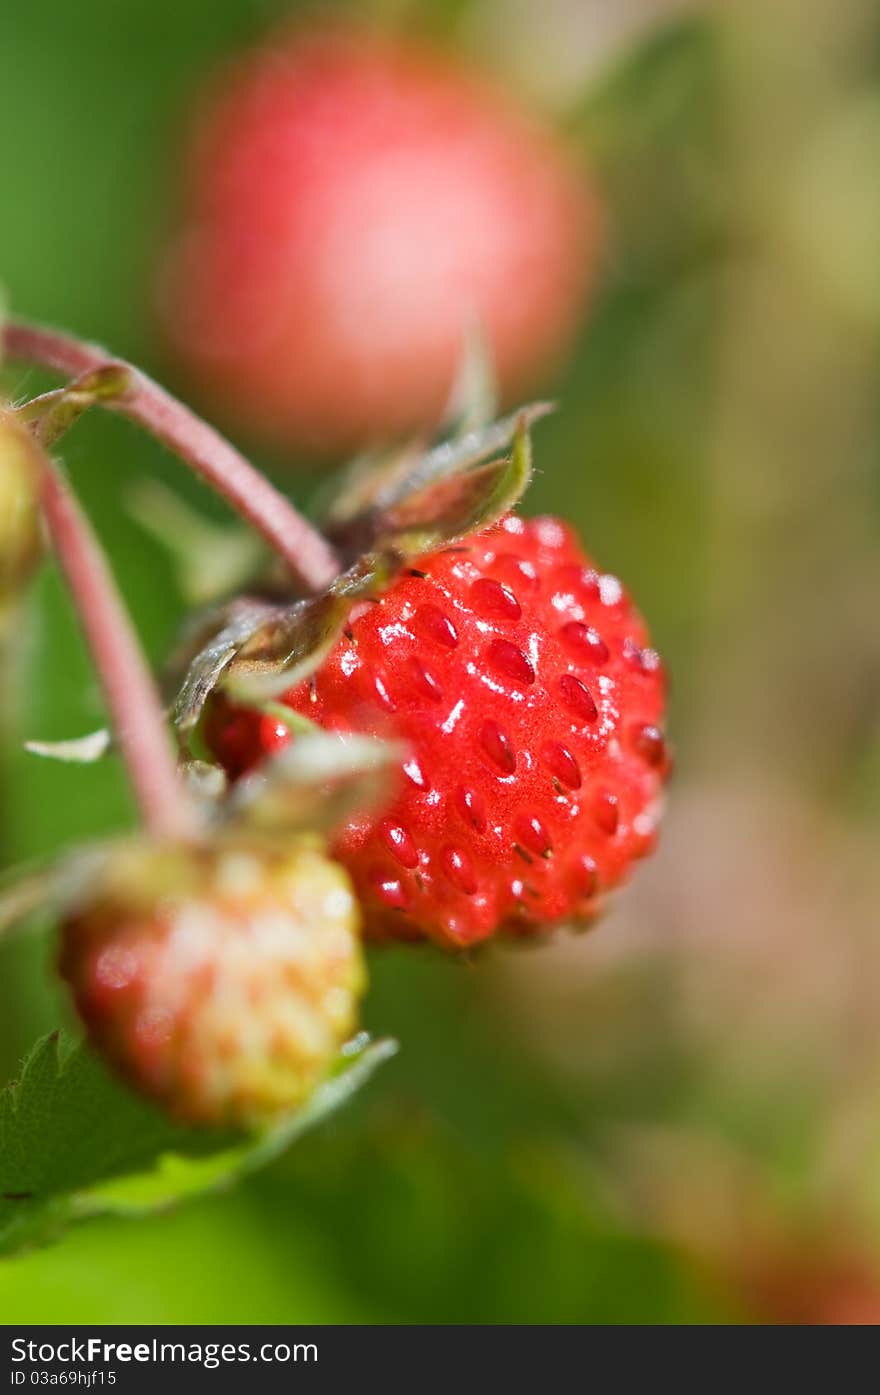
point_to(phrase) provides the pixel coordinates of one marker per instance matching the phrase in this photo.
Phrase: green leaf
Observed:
(177, 1177)
(64, 1126)
(75, 1143)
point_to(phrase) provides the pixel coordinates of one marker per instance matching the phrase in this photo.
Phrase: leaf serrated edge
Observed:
(55, 1045)
(264, 1149)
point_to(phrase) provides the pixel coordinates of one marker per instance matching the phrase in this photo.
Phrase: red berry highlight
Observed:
(540, 765)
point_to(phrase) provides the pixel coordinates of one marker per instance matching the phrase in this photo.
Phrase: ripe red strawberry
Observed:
(220, 981)
(520, 681)
(354, 205)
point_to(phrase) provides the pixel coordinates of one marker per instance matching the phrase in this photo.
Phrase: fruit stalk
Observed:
(309, 556)
(132, 699)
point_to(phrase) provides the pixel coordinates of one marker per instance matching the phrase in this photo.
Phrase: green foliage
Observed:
(468, 1214)
(478, 1184)
(75, 1144)
(522, 1235)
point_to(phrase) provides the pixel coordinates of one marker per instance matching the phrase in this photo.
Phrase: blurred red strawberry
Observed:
(354, 204)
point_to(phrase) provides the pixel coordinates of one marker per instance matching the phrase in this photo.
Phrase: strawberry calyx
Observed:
(253, 650)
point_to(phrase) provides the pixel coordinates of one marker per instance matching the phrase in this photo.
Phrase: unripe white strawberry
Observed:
(222, 980)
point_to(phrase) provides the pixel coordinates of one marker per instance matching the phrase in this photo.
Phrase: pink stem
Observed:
(309, 556)
(133, 702)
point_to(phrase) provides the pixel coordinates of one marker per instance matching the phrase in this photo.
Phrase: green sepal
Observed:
(267, 649)
(416, 499)
(463, 502)
(212, 648)
(54, 413)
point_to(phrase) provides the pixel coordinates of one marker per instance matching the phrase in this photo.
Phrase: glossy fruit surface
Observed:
(521, 682)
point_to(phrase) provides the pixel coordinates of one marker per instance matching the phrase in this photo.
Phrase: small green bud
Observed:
(20, 535)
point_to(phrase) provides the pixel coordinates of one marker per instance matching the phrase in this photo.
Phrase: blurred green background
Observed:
(677, 1118)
